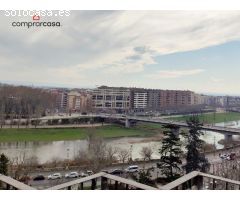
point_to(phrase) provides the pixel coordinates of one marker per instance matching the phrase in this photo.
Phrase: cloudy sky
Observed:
(199, 51)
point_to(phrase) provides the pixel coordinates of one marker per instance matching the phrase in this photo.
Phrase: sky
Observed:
(186, 50)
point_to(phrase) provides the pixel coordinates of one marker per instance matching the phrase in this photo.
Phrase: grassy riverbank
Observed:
(109, 131)
(211, 118)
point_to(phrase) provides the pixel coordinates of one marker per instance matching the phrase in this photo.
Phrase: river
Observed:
(60, 150)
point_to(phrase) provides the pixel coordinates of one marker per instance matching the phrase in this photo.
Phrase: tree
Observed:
(3, 164)
(111, 153)
(144, 177)
(146, 153)
(170, 153)
(195, 159)
(96, 150)
(123, 155)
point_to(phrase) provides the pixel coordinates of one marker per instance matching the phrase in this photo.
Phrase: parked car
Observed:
(89, 172)
(223, 156)
(132, 169)
(72, 175)
(117, 172)
(230, 156)
(83, 174)
(39, 178)
(55, 176)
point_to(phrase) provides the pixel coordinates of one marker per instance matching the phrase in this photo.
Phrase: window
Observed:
(119, 104)
(119, 97)
(108, 97)
(108, 104)
(100, 97)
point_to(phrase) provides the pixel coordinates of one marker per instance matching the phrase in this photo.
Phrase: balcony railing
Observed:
(192, 181)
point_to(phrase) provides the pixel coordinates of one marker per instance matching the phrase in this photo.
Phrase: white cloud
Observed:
(121, 42)
(165, 74)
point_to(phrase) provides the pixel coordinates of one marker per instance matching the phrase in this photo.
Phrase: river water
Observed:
(60, 150)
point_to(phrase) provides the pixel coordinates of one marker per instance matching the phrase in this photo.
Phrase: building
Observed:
(116, 99)
(61, 99)
(73, 101)
(138, 99)
(159, 100)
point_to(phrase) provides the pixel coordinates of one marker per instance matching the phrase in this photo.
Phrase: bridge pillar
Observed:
(228, 137)
(127, 123)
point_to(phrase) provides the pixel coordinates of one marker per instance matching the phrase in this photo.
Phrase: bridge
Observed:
(228, 132)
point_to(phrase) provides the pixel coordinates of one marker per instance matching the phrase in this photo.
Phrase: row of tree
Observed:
(18, 102)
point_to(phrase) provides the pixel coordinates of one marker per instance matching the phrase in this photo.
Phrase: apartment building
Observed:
(61, 99)
(163, 99)
(73, 101)
(140, 99)
(111, 98)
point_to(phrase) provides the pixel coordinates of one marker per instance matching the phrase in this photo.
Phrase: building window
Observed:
(107, 104)
(119, 104)
(119, 97)
(99, 97)
(108, 98)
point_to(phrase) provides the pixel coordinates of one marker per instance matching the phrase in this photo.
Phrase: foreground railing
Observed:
(9, 183)
(107, 181)
(193, 181)
(200, 181)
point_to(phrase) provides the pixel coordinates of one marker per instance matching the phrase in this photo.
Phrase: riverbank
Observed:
(60, 134)
(211, 118)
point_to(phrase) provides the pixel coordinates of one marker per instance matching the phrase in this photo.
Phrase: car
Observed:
(83, 174)
(117, 172)
(132, 169)
(72, 175)
(54, 176)
(89, 172)
(223, 156)
(39, 178)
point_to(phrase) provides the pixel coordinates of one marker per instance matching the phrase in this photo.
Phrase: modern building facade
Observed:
(140, 99)
(111, 98)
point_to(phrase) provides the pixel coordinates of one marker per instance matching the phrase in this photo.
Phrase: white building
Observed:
(140, 100)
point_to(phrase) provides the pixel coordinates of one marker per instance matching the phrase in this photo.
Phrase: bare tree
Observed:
(123, 155)
(111, 154)
(96, 150)
(146, 153)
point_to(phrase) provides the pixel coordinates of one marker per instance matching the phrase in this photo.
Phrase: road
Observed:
(212, 157)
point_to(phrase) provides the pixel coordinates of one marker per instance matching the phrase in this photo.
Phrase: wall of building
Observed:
(111, 98)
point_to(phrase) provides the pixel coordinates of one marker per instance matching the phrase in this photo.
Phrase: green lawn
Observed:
(211, 118)
(111, 131)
